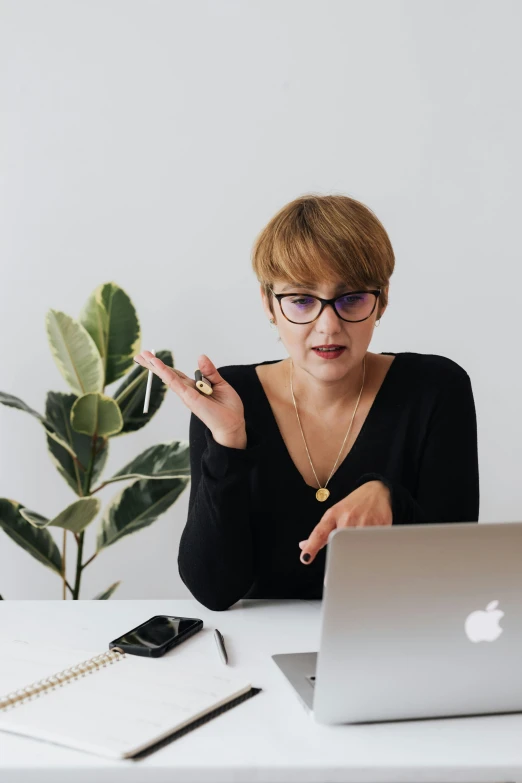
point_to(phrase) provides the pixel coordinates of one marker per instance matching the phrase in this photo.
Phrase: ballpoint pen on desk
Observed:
(221, 645)
(147, 390)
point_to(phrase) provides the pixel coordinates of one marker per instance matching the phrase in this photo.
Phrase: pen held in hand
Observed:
(147, 391)
(202, 384)
(220, 642)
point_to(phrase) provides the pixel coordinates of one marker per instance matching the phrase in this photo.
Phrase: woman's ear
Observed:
(385, 291)
(264, 300)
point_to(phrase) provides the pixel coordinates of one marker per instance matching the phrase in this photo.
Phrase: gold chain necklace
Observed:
(323, 493)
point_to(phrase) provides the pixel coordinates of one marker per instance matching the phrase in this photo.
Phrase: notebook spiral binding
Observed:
(47, 684)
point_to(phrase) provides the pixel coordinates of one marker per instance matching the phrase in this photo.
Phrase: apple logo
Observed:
(483, 626)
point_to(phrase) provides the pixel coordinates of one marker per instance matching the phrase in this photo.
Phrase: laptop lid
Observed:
(420, 621)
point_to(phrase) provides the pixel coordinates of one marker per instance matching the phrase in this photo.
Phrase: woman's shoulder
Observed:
(434, 368)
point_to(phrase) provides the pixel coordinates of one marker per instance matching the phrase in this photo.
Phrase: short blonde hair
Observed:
(318, 238)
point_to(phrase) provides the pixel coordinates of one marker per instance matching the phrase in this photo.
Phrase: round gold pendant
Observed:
(322, 494)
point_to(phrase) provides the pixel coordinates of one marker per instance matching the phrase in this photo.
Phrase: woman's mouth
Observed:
(329, 352)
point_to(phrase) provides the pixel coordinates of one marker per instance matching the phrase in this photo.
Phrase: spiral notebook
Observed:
(113, 704)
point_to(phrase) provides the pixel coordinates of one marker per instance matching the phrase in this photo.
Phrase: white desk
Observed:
(267, 738)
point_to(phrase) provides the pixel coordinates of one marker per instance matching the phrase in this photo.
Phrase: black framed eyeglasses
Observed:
(352, 306)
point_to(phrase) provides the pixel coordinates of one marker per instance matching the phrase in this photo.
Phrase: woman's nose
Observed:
(329, 320)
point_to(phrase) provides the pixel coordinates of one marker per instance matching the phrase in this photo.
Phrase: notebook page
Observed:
(122, 708)
(22, 662)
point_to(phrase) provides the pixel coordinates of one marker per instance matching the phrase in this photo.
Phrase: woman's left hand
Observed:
(368, 505)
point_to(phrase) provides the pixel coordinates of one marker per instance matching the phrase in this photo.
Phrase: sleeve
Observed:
(448, 484)
(215, 558)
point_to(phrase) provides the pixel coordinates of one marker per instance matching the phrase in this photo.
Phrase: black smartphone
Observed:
(156, 636)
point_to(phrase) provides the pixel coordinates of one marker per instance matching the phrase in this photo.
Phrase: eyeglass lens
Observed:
(304, 308)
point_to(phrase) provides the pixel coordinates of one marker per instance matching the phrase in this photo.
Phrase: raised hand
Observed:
(222, 411)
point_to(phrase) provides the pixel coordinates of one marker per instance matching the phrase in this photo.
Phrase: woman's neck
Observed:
(317, 397)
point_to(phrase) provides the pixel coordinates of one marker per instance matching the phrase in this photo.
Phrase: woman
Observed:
(284, 451)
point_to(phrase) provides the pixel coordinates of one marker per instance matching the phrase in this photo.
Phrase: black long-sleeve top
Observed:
(249, 508)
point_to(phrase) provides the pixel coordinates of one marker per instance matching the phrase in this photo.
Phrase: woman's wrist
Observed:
(234, 440)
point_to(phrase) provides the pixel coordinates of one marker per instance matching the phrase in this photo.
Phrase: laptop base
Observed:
(299, 670)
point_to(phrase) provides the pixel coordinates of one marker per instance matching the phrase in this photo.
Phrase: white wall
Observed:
(148, 143)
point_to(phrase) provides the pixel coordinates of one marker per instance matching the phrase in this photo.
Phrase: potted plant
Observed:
(91, 353)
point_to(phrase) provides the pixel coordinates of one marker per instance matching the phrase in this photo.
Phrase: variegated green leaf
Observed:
(33, 517)
(108, 592)
(130, 395)
(75, 517)
(16, 402)
(96, 414)
(75, 353)
(39, 543)
(58, 411)
(137, 507)
(111, 319)
(163, 461)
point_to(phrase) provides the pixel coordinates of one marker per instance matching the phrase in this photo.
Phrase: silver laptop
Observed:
(418, 621)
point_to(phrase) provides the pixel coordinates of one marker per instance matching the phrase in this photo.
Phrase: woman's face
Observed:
(328, 329)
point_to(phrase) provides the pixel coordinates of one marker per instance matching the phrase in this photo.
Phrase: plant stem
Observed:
(89, 561)
(100, 487)
(76, 591)
(80, 537)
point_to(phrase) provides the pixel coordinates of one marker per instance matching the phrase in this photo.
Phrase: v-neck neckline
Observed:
(372, 412)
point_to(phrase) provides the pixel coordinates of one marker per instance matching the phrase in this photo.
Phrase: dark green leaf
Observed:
(58, 411)
(39, 543)
(108, 592)
(16, 402)
(137, 507)
(163, 461)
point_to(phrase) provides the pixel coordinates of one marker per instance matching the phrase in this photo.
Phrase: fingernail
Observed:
(306, 557)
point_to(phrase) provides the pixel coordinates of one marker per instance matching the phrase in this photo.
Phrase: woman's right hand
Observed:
(222, 411)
